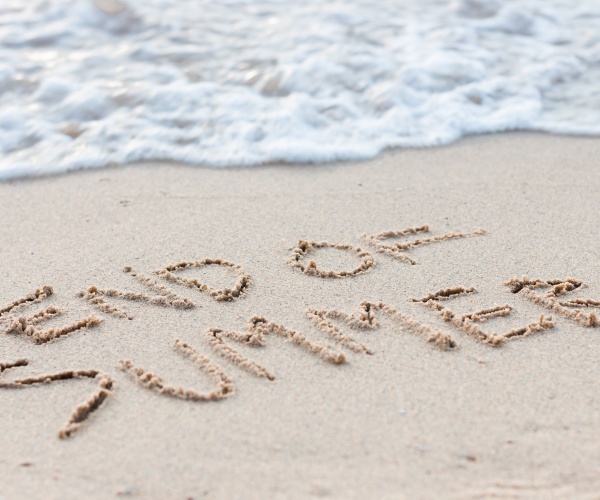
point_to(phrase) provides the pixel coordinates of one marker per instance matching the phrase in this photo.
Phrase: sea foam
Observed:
(88, 83)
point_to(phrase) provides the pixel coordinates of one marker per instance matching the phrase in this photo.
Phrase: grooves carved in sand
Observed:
(84, 410)
(469, 322)
(364, 318)
(557, 288)
(29, 325)
(322, 321)
(225, 294)
(33, 298)
(398, 250)
(303, 248)
(258, 328)
(163, 296)
(155, 383)
(326, 321)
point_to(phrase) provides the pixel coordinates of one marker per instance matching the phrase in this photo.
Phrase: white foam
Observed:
(87, 83)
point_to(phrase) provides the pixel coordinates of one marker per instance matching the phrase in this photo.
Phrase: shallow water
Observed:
(88, 83)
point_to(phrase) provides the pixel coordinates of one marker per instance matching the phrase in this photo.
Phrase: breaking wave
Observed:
(88, 83)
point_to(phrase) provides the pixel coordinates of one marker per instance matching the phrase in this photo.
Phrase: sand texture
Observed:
(424, 325)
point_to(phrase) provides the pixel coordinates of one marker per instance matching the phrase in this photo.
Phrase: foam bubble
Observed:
(87, 83)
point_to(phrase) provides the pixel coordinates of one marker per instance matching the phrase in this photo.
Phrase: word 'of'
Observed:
(396, 250)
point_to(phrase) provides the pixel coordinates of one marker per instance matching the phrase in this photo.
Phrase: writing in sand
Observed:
(335, 326)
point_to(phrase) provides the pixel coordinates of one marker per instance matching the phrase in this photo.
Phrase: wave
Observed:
(91, 83)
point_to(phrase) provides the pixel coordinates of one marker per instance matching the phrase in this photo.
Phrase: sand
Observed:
(258, 345)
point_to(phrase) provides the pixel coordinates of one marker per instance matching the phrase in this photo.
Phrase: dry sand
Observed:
(293, 406)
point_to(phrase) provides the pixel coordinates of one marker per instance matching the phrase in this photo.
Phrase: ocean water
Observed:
(89, 83)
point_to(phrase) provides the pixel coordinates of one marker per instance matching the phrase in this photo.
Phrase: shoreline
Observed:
(469, 140)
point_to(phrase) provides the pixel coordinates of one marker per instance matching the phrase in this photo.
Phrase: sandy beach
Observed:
(258, 345)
